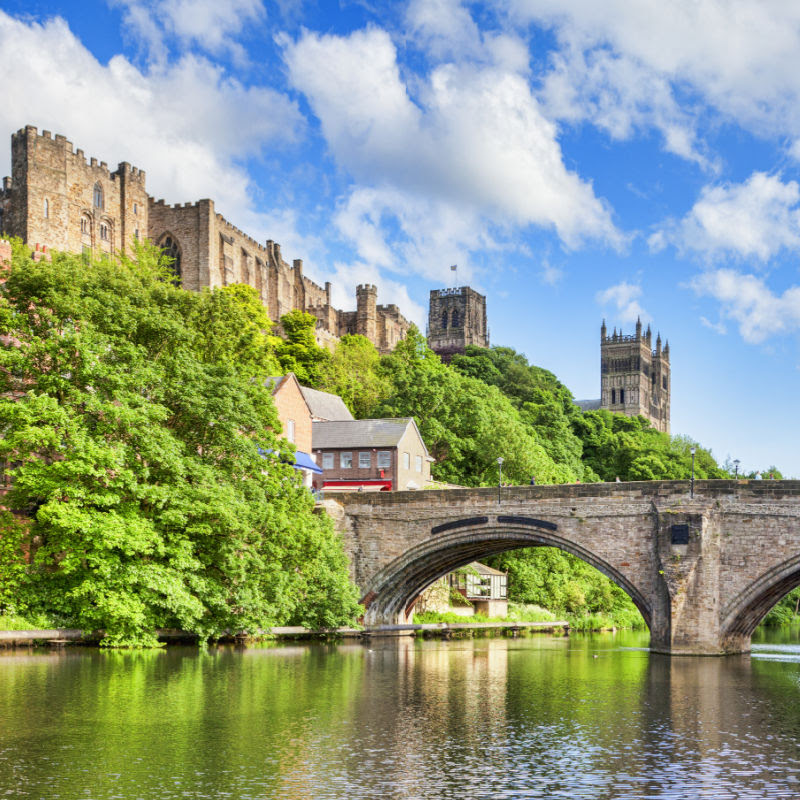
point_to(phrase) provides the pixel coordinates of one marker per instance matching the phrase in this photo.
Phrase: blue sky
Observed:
(576, 160)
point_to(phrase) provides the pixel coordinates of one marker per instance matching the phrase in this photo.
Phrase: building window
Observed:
(384, 459)
(104, 231)
(171, 251)
(664, 381)
(406, 461)
(454, 320)
(345, 460)
(364, 460)
(46, 208)
(86, 226)
(290, 430)
(136, 234)
(622, 395)
(613, 397)
(444, 318)
(135, 208)
(327, 461)
(98, 196)
(418, 463)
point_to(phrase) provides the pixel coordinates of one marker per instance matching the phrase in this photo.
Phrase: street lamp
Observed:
(692, 450)
(500, 460)
(736, 463)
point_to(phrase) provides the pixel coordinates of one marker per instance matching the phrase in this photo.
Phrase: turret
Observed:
(658, 345)
(366, 311)
(603, 331)
(638, 327)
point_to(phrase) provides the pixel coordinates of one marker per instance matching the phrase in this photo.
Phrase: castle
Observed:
(55, 199)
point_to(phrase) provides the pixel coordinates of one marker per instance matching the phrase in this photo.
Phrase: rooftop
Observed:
(360, 433)
(324, 406)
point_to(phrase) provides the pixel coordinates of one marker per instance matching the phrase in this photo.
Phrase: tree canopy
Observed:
(146, 461)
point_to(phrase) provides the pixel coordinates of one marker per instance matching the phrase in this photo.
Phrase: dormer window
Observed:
(98, 195)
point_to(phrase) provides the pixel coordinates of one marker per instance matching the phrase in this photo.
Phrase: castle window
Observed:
(171, 251)
(664, 381)
(622, 395)
(613, 397)
(104, 231)
(98, 196)
(46, 208)
(454, 320)
(86, 226)
(136, 234)
(444, 318)
(135, 208)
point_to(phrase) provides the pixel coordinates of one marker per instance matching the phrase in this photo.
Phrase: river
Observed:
(584, 716)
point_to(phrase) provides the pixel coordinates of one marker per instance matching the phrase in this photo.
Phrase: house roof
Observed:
(275, 382)
(361, 433)
(324, 406)
(484, 569)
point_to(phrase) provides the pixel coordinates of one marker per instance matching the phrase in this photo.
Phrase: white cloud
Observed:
(753, 220)
(207, 24)
(625, 296)
(467, 160)
(187, 124)
(746, 299)
(622, 64)
(717, 327)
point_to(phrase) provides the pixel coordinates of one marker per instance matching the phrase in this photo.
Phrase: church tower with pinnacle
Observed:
(634, 377)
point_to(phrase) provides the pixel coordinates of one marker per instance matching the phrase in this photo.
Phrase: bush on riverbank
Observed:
(146, 460)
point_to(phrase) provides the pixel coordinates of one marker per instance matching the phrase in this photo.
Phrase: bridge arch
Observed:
(741, 615)
(391, 592)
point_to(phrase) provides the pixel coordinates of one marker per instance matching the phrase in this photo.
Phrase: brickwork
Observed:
(635, 379)
(58, 200)
(292, 408)
(702, 588)
(456, 318)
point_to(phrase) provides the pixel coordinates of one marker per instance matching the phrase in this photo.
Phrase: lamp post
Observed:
(692, 450)
(500, 460)
(736, 463)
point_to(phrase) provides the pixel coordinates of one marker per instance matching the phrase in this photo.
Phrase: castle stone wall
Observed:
(456, 318)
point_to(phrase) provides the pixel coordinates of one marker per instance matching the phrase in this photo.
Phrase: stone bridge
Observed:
(703, 570)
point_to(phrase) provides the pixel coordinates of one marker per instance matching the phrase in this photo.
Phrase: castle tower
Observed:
(367, 311)
(635, 380)
(456, 318)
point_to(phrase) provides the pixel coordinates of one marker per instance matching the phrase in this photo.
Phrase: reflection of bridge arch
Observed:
(391, 593)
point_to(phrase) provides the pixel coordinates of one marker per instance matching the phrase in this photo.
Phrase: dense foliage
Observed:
(146, 461)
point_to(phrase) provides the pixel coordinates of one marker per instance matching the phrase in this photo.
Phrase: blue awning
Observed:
(304, 461)
(301, 460)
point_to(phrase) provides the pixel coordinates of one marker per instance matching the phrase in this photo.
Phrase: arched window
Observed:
(444, 318)
(172, 251)
(46, 208)
(86, 225)
(454, 320)
(98, 195)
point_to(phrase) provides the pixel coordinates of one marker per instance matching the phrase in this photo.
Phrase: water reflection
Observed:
(578, 717)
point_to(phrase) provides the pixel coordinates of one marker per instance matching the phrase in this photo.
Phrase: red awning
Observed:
(354, 486)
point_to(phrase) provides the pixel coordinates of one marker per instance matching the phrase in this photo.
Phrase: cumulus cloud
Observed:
(746, 299)
(469, 157)
(625, 297)
(752, 220)
(188, 124)
(622, 65)
(206, 24)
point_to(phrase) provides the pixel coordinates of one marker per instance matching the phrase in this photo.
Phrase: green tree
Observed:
(352, 373)
(140, 447)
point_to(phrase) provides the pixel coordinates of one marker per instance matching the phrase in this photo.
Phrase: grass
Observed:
(517, 612)
(36, 622)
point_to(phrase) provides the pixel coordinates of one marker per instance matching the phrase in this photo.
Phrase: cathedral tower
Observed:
(635, 379)
(456, 318)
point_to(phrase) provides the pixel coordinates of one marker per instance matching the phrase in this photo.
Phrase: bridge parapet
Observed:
(702, 570)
